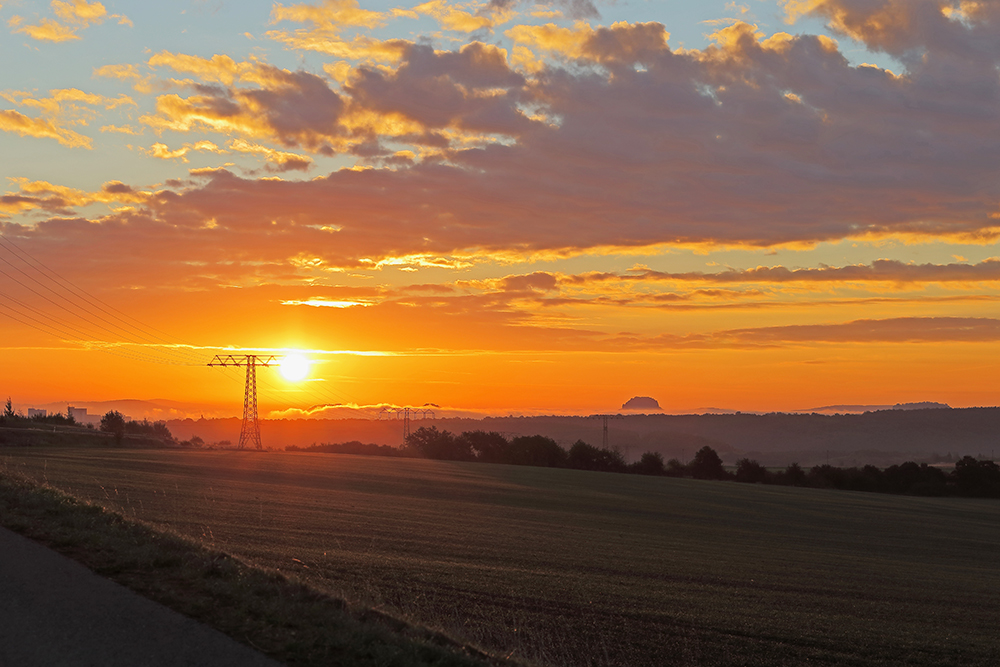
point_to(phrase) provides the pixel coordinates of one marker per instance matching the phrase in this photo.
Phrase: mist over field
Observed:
(880, 438)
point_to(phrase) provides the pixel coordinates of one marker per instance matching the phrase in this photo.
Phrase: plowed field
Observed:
(575, 568)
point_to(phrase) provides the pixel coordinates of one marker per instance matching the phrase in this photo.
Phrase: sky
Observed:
(501, 207)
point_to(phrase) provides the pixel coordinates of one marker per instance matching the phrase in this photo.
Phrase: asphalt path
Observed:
(56, 612)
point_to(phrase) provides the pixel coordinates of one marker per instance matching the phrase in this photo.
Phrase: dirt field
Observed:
(575, 568)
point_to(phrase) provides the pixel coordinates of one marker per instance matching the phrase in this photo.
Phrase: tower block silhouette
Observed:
(250, 433)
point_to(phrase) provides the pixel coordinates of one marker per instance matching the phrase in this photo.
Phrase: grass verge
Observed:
(267, 610)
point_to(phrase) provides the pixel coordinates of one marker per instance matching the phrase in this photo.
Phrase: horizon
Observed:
(155, 410)
(501, 206)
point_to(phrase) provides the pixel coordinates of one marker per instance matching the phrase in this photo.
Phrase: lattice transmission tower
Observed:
(405, 414)
(606, 418)
(250, 433)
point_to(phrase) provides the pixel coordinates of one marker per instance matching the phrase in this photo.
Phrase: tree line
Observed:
(113, 422)
(13, 418)
(970, 478)
(119, 426)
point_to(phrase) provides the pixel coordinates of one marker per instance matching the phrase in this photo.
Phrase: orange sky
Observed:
(502, 207)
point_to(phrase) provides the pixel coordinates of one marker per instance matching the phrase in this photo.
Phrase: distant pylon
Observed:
(250, 433)
(406, 415)
(606, 418)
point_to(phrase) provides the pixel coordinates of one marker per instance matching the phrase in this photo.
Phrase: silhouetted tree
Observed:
(793, 475)
(650, 463)
(583, 456)
(750, 471)
(114, 422)
(868, 478)
(489, 447)
(536, 450)
(8, 409)
(707, 465)
(56, 418)
(977, 478)
(827, 476)
(914, 479)
(675, 468)
(435, 444)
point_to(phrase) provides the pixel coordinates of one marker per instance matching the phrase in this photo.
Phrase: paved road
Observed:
(55, 612)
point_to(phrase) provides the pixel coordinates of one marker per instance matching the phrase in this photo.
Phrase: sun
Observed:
(294, 367)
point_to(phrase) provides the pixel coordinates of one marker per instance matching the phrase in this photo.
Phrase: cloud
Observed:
(471, 89)
(293, 108)
(471, 93)
(577, 9)
(75, 16)
(61, 200)
(331, 15)
(896, 330)
(326, 303)
(47, 30)
(125, 72)
(277, 160)
(13, 121)
(540, 281)
(609, 140)
(863, 332)
(217, 69)
(882, 270)
(121, 129)
(163, 152)
(60, 111)
(79, 12)
(457, 17)
(326, 24)
(908, 28)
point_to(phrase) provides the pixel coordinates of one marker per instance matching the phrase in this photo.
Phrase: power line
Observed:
(143, 342)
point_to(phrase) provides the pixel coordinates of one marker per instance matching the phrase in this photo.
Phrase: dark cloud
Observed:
(540, 281)
(576, 9)
(896, 330)
(886, 331)
(888, 270)
(300, 108)
(117, 188)
(439, 90)
(624, 142)
(909, 28)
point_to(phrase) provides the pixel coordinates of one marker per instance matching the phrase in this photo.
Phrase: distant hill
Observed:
(854, 409)
(154, 410)
(642, 403)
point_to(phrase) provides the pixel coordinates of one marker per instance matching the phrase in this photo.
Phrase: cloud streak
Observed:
(858, 332)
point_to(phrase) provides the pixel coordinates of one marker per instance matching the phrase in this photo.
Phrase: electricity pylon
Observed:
(606, 418)
(405, 415)
(250, 433)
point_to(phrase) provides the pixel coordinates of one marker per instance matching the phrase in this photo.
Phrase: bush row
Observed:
(971, 477)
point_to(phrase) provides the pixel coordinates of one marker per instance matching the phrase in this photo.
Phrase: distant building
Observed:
(35, 412)
(80, 416)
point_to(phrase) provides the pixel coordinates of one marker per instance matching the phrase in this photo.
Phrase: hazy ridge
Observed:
(880, 437)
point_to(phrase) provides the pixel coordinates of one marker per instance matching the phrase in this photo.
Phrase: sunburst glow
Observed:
(294, 367)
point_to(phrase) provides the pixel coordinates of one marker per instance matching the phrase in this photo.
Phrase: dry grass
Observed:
(276, 614)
